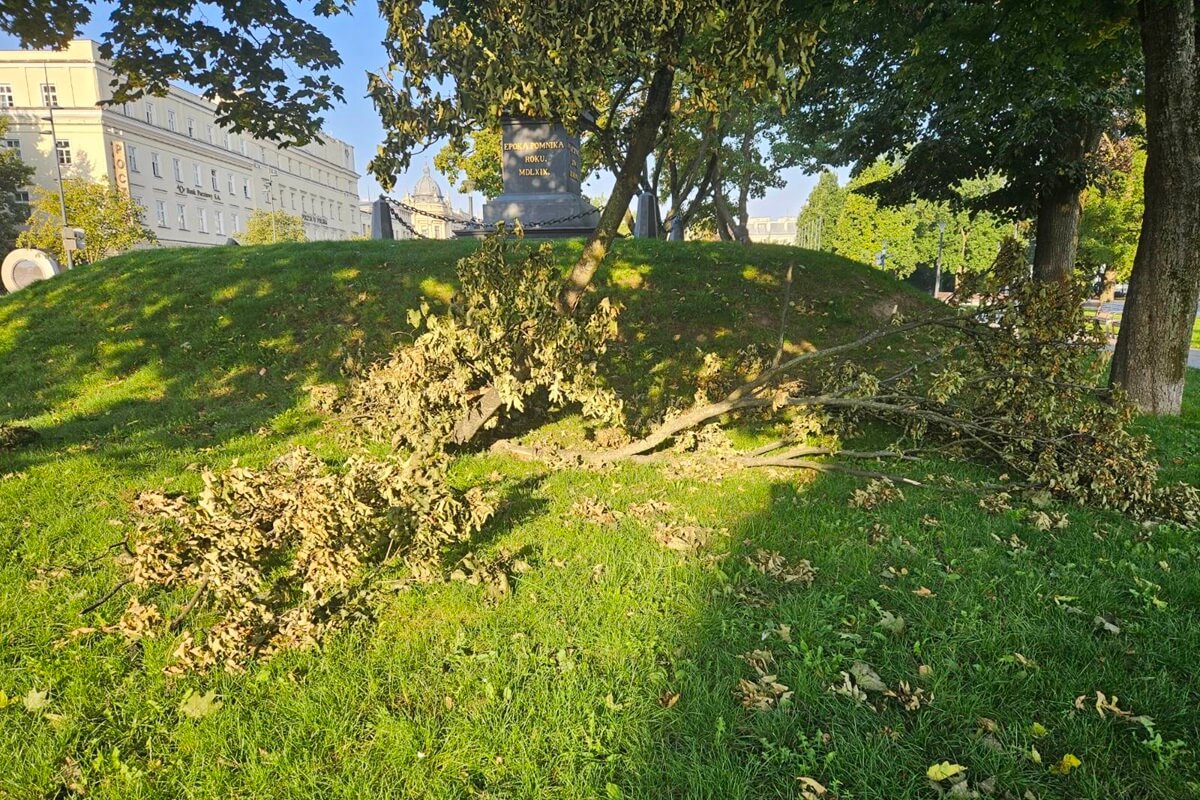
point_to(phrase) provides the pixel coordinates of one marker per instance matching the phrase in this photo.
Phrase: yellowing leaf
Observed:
(35, 700)
(1034, 755)
(199, 705)
(1037, 730)
(1066, 764)
(944, 770)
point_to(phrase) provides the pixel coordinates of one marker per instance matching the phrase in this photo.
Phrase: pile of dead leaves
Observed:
(277, 558)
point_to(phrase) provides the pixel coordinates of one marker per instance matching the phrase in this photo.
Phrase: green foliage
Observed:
(573, 61)
(270, 227)
(970, 240)
(1023, 391)
(477, 159)
(1112, 214)
(15, 174)
(962, 90)
(815, 224)
(285, 553)
(242, 55)
(112, 221)
(502, 332)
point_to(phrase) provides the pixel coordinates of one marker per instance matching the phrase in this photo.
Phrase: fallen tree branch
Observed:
(107, 596)
(191, 604)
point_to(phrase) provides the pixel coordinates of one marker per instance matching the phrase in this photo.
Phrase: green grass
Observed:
(140, 370)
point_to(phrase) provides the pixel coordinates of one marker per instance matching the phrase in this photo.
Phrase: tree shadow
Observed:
(184, 348)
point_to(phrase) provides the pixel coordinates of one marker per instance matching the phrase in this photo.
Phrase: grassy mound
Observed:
(613, 669)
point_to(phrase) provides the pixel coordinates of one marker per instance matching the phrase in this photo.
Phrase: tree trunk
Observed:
(1108, 285)
(1150, 361)
(641, 143)
(1057, 234)
(742, 229)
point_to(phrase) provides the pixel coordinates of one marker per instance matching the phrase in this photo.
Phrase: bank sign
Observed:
(193, 192)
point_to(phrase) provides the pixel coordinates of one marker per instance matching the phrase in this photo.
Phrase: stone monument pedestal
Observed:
(541, 171)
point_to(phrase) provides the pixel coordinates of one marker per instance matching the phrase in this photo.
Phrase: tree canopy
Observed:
(112, 221)
(264, 65)
(963, 90)
(14, 174)
(269, 227)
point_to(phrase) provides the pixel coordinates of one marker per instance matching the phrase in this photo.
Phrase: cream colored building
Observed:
(197, 182)
(426, 196)
(764, 230)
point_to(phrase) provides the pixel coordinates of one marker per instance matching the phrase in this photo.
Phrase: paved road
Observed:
(1118, 307)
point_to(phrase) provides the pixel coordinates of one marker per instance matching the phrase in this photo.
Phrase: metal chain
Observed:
(472, 222)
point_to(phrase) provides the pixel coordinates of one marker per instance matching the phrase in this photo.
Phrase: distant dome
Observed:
(427, 188)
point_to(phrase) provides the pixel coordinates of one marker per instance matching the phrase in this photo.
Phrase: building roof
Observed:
(427, 189)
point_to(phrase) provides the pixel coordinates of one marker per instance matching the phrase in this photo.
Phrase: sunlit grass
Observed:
(136, 378)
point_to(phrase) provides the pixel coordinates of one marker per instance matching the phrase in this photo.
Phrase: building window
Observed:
(242, 145)
(204, 220)
(131, 158)
(170, 120)
(49, 95)
(160, 212)
(6, 96)
(227, 140)
(213, 177)
(155, 167)
(221, 223)
(237, 223)
(191, 123)
(182, 218)
(150, 113)
(63, 148)
(210, 135)
(141, 203)
(293, 201)
(196, 175)
(230, 184)
(22, 197)
(177, 167)
(246, 188)
(13, 144)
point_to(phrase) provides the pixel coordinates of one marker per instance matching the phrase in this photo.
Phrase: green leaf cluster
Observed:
(587, 64)
(501, 333)
(270, 227)
(111, 220)
(15, 174)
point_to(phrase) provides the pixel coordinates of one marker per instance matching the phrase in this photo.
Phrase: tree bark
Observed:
(742, 228)
(641, 143)
(1057, 240)
(1059, 209)
(1150, 361)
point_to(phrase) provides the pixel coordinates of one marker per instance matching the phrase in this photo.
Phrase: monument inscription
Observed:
(542, 173)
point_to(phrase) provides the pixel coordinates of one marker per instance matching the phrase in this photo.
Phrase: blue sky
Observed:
(357, 37)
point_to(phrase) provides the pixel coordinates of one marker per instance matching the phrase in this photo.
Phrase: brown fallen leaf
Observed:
(668, 699)
(924, 592)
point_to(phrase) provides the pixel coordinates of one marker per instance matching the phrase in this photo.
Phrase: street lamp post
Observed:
(62, 197)
(937, 271)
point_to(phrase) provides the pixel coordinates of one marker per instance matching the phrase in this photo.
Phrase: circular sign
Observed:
(25, 266)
